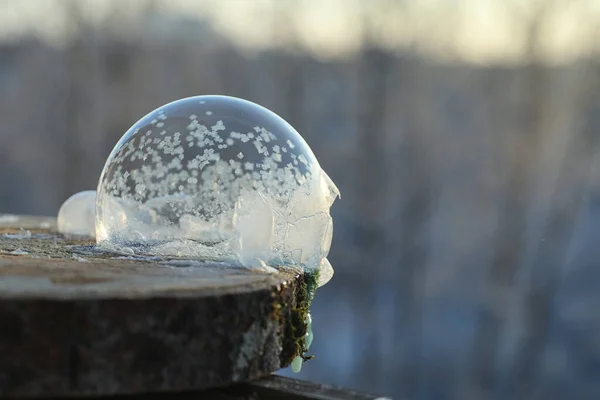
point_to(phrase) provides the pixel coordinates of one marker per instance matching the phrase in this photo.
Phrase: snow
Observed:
(79, 258)
(23, 234)
(17, 252)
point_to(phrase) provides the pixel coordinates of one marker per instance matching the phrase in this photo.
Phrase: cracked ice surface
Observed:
(77, 214)
(221, 179)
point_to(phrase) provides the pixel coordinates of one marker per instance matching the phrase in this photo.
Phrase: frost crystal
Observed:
(18, 252)
(219, 179)
(23, 234)
(77, 214)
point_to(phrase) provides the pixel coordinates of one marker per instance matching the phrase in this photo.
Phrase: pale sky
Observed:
(478, 31)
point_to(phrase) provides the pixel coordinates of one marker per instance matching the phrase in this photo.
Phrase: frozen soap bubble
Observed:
(217, 178)
(77, 214)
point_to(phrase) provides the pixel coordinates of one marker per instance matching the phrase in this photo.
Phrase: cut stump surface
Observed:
(76, 322)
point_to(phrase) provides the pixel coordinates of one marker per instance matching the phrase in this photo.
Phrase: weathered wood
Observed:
(278, 387)
(273, 387)
(74, 324)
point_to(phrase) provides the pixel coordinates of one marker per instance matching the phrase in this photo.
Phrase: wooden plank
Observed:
(76, 322)
(273, 387)
(278, 387)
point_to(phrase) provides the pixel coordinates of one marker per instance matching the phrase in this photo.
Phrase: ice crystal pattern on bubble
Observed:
(217, 178)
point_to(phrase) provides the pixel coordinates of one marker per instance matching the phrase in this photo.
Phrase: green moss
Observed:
(293, 319)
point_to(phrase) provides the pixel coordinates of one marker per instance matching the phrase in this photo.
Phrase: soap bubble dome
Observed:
(217, 178)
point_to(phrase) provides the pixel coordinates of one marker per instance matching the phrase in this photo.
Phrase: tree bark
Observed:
(74, 323)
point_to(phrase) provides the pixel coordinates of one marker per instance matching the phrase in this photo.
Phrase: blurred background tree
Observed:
(464, 136)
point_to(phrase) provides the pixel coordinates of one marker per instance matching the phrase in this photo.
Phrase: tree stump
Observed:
(77, 323)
